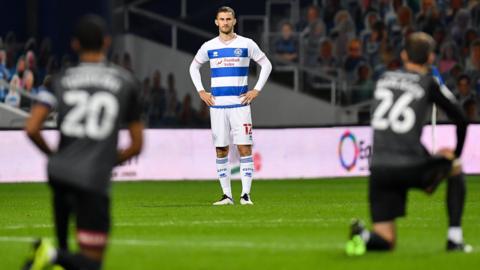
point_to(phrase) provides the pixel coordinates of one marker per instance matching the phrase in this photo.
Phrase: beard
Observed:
(226, 30)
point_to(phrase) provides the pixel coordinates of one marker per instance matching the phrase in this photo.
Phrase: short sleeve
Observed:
(134, 109)
(46, 94)
(202, 55)
(254, 51)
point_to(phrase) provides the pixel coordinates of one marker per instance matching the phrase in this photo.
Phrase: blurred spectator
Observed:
(30, 45)
(343, 32)
(312, 34)
(470, 36)
(28, 89)
(463, 89)
(448, 57)
(157, 100)
(473, 62)
(286, 47)
(13, 97)
(363, 87)
(353, 58)
(429, 17)
(330, 8)
(173, 106)
(375, 42)
(127, 62)
(187, 116)
(4, 75)
(471, 109)
(370, 19)
(388, 61)
(20, 68)
(439, 35)
(474, 7)
(31, 63)
(460, 25)
(455, 6)
(29, 82)
(326, 61)
(403, 23)
(473, 65)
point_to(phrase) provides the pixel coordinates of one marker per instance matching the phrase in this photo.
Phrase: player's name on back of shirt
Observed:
(403, 82)
(92, 76)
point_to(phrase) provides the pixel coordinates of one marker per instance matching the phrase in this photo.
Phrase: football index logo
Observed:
(351, 151)
(237, 52)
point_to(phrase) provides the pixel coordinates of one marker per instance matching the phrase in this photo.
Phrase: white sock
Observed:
(246, 173)
(223, 173)
(365, 235)
(455, 234)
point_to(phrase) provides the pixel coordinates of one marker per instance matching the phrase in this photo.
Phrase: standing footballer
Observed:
(403, 100)
(229, 100)
(93, 100)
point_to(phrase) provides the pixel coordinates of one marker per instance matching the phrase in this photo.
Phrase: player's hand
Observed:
(249, 96)
(207, 97)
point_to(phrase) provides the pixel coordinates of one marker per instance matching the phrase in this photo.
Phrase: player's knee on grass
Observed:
(385, 234)
(92, 244)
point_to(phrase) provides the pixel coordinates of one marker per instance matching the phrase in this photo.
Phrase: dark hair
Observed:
(226, 9)
(476, 43)
(419, 45)
(463, 77)
(90, 32)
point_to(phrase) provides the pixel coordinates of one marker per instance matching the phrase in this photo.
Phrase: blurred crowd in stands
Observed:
(357, 40)
(352, 41)
(162, 108)
(26, 69)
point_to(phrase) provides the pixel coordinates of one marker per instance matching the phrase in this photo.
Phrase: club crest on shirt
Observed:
(237, 52)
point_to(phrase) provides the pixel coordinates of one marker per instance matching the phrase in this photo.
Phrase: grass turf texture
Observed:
(293, 225)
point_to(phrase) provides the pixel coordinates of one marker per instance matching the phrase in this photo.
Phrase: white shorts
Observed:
(231, 122)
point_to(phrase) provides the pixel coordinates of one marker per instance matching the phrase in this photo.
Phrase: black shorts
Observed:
(91, 209)
(388, 186)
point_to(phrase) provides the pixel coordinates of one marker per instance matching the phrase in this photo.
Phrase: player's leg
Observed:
(93, 222)
(62, 207)
(444, 166)
(387, 200)
(241, 123)
(246, 173)
(455, 199)
(93, 225)
(221, 140)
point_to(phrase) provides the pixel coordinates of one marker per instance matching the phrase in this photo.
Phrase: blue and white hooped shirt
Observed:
(229, 63)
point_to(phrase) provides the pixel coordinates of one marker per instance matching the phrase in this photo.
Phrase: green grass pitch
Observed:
(300, 224)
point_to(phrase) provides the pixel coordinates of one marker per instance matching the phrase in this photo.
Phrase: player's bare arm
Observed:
(207, 97)
(34, 125)
(135, 131)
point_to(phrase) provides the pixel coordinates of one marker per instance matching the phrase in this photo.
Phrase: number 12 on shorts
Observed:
(248, 129)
